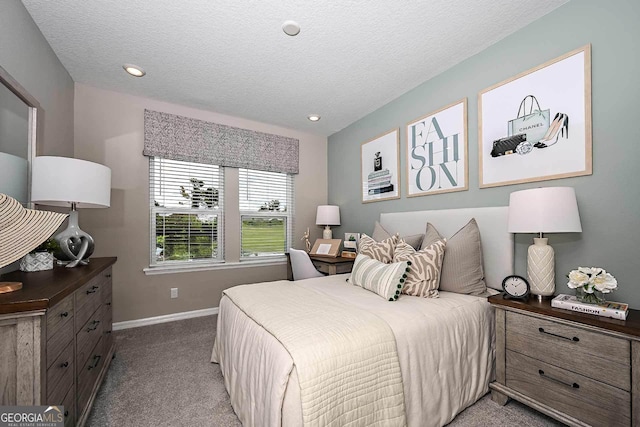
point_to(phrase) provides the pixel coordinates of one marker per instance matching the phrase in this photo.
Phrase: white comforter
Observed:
(445, 348)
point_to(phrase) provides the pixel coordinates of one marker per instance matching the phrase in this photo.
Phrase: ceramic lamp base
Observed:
(541, 268)
(327, 233)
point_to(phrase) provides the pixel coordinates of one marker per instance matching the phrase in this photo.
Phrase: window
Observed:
(266, 211)
(186, 212)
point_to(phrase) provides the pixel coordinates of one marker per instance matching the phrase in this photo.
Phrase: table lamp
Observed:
(63, 181)
(543, 210)
(327, 215)
(21, 231)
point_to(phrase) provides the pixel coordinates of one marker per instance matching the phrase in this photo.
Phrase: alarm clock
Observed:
(515, 287)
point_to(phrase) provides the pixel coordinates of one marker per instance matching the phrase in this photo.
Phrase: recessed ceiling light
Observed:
(313, 117)
(291, 28)
(134, 70)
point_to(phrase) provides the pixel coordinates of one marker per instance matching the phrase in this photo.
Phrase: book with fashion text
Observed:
(615, 310)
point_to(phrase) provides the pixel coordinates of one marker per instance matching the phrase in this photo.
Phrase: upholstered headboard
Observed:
(497, 242)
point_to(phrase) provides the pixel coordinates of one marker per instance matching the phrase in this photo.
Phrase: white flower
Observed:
(577, 278)
(592, 279)
(605, 283)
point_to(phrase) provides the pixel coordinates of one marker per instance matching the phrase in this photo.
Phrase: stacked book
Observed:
(615, 310)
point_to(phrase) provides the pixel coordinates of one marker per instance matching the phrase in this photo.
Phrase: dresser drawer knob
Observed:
(94, 326)
(96, 361)
(543, 375)
(66, 414)
(109, 303)
(92, 290)
(64, 365)
(64, 314)
(107, 332)
(574, 339)
(107, 275)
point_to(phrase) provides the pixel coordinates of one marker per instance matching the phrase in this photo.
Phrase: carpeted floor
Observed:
(162, 376)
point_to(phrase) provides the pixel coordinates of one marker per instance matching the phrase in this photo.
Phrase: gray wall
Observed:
(609, 200)
(27, 56)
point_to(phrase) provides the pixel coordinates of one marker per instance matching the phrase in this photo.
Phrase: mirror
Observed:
(19, 129)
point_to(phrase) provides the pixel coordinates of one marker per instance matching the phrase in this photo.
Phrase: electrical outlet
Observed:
(174, 292)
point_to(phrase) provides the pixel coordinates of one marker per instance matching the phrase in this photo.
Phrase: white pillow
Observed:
(384, 279)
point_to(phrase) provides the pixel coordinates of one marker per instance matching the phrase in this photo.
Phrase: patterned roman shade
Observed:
(191, 140)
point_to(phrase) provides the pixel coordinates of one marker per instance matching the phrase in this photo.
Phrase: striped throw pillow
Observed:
(384, 279)
(382, 251)
(462, 269)
(426, 264)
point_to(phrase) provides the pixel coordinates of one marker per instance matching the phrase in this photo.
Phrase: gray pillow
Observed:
(380, 234)
(462, 270)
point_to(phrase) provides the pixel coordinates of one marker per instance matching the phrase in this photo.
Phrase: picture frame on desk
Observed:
(326, 248)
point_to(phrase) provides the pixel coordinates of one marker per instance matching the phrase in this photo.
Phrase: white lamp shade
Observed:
(328, 215)
(60, 181)
(544, 210)
(13, 177)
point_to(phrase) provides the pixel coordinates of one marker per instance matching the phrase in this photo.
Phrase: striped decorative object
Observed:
(462, 270)
(381, 251)
(384, 279)
(426, 264)
(22, 230)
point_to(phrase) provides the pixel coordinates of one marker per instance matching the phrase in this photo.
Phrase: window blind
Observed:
(266, 211)
(186, 212)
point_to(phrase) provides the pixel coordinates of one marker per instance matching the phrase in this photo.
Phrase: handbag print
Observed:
(534, 124)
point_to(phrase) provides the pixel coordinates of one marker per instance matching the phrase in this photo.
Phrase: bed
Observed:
(420, 361)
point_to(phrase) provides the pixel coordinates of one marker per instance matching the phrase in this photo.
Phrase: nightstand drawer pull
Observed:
(575, 339)
(92, 290)
(64, 314)
(574, 385)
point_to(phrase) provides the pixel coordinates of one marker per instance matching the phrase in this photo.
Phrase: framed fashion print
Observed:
(536, 126)
(379, 167)
(437, 151)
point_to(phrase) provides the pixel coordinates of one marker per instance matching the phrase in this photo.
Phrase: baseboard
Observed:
(163, 319)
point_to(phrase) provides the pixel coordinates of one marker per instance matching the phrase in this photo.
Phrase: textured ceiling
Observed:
(229, 56)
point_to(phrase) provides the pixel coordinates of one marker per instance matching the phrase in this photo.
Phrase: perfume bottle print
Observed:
(377, 162)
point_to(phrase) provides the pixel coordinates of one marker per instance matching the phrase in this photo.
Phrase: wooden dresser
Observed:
(578, 368)
(55, 337)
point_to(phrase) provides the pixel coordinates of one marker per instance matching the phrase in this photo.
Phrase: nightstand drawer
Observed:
(601, 357)
(574, 394)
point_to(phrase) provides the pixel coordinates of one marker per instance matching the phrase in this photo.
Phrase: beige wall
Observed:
(27, 56)
(109, 130)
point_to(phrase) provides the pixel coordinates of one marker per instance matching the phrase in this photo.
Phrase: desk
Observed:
(326, 265)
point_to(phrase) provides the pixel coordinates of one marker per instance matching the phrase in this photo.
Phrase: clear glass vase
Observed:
(596, 297)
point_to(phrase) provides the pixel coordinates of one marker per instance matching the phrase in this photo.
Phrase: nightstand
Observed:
(578, 368)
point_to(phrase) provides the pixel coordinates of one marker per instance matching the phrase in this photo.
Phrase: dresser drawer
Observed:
(588, 400)
(107, 327)
(69, 408)
(59, 315)
(106, 288)
(88, 298)
(59, 341)
(87, 375)
(598, 356)
(60, 377)
(88, 336)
